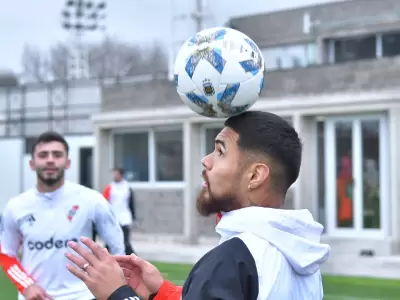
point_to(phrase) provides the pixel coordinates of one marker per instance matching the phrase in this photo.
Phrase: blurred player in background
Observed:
(43, 219)
(122, 200)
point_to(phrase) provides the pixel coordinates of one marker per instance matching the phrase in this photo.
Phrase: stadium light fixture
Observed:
(80, 17)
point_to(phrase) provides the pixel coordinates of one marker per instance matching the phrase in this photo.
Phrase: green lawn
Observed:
(7, 290)
(336, 288)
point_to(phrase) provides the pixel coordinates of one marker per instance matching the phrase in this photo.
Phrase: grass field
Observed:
(336, 288)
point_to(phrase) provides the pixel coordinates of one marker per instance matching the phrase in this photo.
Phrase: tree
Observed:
(34, 64)
(156, 60)
(111, 58)
(58, 61)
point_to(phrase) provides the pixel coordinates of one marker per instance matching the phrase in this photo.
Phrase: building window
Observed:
(29, 141)
(151, 156)
(289, 57)
(351, 49)
(390, 44)
(131, 151)
(169, 154)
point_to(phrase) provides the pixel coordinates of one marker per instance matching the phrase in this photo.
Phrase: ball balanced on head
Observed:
(219, 72)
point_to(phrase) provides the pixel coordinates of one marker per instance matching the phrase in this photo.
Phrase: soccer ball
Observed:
(219, 72)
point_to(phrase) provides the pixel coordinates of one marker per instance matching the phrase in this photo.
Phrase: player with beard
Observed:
(265, 252)
(43, 219)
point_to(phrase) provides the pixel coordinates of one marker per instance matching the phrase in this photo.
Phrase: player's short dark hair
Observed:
(272, 136)
(120, 170)
(48, 137)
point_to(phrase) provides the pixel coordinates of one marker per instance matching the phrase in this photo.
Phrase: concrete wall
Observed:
(159, 211)
(376, 74)
(145, 94)
(286, 27)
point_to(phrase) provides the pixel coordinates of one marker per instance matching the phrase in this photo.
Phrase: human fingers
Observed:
(123, 258)
(78, 261)
(79, 273)
(97, 250)
(84, 253)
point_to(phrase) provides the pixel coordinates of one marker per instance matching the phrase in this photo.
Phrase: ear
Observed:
(32, 165)
(68, 164)
(259, 175)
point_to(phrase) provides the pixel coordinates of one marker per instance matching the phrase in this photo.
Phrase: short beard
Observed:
(211, 205)
(51, 181)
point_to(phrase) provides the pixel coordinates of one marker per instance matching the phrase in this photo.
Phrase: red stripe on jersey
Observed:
(14, 271)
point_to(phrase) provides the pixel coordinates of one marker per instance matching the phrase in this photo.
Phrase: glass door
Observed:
(356, 175)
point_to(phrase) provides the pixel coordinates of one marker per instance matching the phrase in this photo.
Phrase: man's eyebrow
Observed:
(221, 142)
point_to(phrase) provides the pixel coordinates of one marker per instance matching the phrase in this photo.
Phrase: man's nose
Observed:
(50, 159)
(206, 161)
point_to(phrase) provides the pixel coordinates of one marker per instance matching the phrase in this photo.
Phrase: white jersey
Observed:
(120, 196)
(43, 223)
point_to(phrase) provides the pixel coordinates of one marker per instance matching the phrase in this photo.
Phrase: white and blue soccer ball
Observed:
(219, 72)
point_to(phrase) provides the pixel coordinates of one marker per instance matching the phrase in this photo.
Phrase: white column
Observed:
(305, 189)
(101, 154)
(97, 159)
(394, 175)
(192, 170)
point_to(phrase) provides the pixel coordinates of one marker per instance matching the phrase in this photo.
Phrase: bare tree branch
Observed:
(113, 58)
(59, 67)
(34, 64)
(109, 58)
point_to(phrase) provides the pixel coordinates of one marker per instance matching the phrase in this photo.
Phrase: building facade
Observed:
(28, 110)
(332, 71)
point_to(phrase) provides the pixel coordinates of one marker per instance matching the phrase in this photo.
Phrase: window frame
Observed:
(307, 48)
(382, 37)
(152, 183)
(331, 57)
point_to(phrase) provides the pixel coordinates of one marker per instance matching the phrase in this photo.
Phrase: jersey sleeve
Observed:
(10, 243)
(108, 227)
(126, 292)
(123, 293)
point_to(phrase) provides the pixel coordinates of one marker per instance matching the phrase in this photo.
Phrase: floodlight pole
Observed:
(198, 16)
(79, 17)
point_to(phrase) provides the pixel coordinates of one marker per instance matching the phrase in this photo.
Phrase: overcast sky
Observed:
(37, 22)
